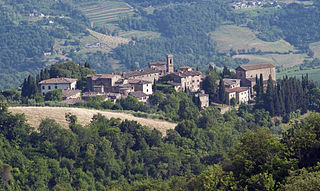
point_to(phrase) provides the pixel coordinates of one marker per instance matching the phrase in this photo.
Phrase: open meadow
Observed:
(236, 37)
(34, 115)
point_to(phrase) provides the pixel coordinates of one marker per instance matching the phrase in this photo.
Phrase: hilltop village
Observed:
(139, 83)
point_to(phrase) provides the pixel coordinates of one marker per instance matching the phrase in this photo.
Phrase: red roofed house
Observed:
(57, 83)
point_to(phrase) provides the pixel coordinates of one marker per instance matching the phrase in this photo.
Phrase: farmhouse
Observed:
(57, 83)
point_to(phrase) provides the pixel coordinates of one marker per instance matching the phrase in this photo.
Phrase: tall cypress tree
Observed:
(222, 92)
(268, 98)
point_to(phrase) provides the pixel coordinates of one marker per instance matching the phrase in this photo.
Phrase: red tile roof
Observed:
(58, 81)
(255, 66)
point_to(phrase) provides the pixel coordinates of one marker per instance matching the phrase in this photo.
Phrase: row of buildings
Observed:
(139, 83)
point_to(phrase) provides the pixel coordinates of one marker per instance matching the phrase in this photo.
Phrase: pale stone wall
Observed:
(243, 97)
(48, 87)
(265, 73)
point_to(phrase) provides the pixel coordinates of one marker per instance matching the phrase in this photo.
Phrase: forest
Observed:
(239, 150)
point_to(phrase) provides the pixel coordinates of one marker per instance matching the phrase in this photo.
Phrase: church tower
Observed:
(170, 63)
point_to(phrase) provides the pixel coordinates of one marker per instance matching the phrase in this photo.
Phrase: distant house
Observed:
(149, 74)
(185, 80)
(140, 96)
(248, 73)
(57, 83)
(71, 94)
(102, 82)
(230, 83)
(203, 98)
(240, 94)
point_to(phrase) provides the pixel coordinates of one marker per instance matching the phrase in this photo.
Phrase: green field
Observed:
(100, 13)
(313, 74)
(236, 37)
(315, 47)
(285, 60)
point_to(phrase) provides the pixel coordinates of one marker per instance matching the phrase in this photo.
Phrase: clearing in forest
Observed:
(34, 115)
(237, 38)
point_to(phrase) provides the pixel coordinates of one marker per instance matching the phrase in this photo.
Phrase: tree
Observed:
(54, 95)
(29, 87)
(269, 97)
(209, 83)
(222, 96)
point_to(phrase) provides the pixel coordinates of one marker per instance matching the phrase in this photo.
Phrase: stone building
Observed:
(240, 94)
(230, 83)
(57, 83)
(247, 74)
(203, 98)
(149, 74)
(102, 82)
(187, 80)
(165, 67)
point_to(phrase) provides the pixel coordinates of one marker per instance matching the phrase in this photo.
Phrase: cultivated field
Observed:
(34, 115)
(106, 12)
(236, 37)
(315, 47)
(313, 74)
(286, 60)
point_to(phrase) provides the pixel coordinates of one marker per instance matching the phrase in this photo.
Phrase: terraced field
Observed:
(106, 12)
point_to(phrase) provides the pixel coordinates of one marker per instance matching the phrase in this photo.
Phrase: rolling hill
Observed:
(34, 116)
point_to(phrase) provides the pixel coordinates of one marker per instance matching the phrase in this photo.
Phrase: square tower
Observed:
(170, 63)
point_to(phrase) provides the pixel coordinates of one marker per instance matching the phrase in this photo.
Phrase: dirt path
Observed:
(34, 116)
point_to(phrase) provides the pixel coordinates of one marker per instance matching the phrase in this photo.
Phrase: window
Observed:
(43, 87)
(56, 87)
(49, 87)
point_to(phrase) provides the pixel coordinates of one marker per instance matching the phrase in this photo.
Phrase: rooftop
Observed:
(237, 89)
(68, 93)
(97, 76)
(157, 63)
(255, 66)
(140, 72)
(58, 81)
(138, 94)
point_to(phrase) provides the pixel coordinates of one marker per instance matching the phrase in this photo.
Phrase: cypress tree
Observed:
(268, 98)
(222, 92)
(277, 104)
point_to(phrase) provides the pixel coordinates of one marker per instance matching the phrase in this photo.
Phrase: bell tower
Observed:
(170, 63)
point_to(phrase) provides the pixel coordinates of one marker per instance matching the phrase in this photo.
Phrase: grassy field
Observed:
(34, 115)
(313, 74)
(285, 60)
(236, 37)
(100, 13)
(315, 47)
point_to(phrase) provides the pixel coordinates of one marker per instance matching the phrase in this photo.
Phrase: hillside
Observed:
(34, 116)
(115, 36)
